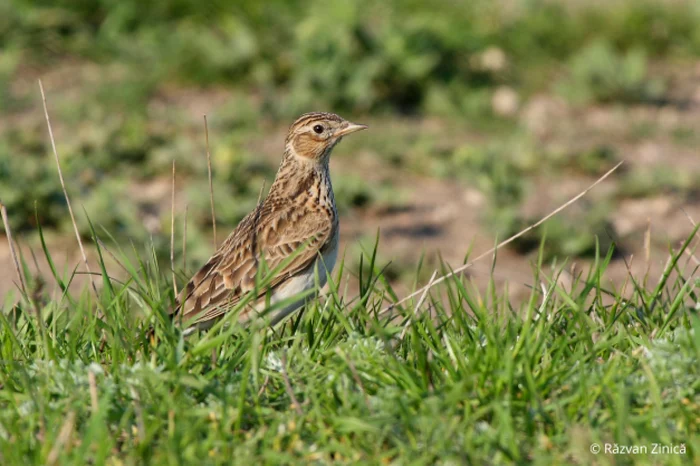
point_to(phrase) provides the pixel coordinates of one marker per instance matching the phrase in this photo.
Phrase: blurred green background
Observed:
(484, 115)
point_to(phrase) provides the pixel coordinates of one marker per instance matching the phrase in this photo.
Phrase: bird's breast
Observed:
(305, 280)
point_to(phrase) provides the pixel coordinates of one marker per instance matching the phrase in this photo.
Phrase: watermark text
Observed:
(648, 449)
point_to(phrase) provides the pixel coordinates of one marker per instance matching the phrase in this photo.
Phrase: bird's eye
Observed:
(318, 129)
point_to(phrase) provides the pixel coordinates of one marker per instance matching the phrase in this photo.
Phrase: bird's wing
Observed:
(269, 235)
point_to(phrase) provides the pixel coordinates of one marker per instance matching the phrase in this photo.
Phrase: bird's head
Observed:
(313, 135)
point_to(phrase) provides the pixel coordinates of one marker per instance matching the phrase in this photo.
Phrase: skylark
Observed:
(295, 228)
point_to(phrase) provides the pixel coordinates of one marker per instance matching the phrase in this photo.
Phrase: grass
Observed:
(470, 377)
(466, 378)
(472, 380)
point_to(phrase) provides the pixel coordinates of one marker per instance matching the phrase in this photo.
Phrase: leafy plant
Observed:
(362, 56)
(653, 181)
(599, 73)
(29, 185)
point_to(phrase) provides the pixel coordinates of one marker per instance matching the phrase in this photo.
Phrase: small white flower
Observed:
(482, 426)
(273, 362)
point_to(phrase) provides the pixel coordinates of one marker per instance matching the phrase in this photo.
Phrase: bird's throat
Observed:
(299, 175)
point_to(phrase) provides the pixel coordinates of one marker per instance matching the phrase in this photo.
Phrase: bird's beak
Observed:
(350, 128)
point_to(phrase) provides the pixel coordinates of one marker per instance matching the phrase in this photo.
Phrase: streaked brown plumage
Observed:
(297, 220)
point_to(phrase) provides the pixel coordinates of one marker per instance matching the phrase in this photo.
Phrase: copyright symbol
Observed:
(595, 448)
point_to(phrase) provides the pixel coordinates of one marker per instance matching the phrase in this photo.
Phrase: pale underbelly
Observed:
(301, 283)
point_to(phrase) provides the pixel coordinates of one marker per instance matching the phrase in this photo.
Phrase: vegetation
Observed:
(357, 56)
(394, 58)
(514, 101)
(473, 380)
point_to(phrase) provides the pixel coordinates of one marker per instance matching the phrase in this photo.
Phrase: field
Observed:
(484, 117)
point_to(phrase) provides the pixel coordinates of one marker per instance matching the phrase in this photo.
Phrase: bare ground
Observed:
(444, 216)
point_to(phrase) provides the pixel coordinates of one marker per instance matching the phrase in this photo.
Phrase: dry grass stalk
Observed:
(184, 240)
(172, 231)
(63, 436)
(264, 385)
(13, 253)
(138, 410)
(647, 244)
(629, 277)
(262, 190)
(63, 186)
(211, 184)
(94, 401)
(114, 258)
(355, 376)
(503, 243)
(22, 279)
(688, 250)
(419, 304)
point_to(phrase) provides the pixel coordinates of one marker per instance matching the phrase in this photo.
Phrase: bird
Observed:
(293, 231)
